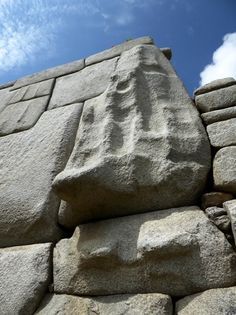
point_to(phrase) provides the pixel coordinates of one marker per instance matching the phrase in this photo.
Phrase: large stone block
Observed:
(82, 85)
(140, 146)
(176, 252)
(215, 85)
(24, 277)
(145, 304)
(219, 115)
(29, 162)
(222, 133)
(211, 302)
(230, 207)
(224, 169)
(218, 99)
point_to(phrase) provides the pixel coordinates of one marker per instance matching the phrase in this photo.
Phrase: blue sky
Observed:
(38, 34)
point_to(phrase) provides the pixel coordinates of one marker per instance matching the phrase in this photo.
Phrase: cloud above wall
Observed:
(223, 61)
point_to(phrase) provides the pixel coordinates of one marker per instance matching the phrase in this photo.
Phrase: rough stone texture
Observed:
(145, 304)
(211, 302)
(50, 73)
(215, 85)
(82, 85)
(224, 170)
(218, 99)
(140, 146)
(6, 85)
(222, 133)
(118, 49)
(215, 198)
(32, 91)
(29, 162)
(22, 115)
(4, 97)
(220, 218)
(24, 278)
(219, 115)
(230, 207)
(176, 252)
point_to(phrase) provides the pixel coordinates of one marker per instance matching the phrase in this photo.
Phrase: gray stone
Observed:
(230, 207)
(4, 97)
(31, 91)
(219, 115)
(222, 133)
(214, 198)
(145, 304)
(6, 85)
(22, 116)
(140, 146)
(218, 99)
(82, 85)
(211, 302)
(220, 218)
(24, 277)
(118, 49)
(50, 73)
(224, 170)
(29, 162)
(176, 252)
(215, 85)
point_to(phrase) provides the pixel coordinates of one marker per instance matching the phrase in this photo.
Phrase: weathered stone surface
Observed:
(31, 91)
(24, 277)
(222, 133)
(140, 146)
(50, 73)
(22, 115)
(82, 85)
(176, 252)
(215, 198)
(215, 85)
(230, 207)
(211, 302)
(224, 170)
(6, 85)
(4, 97)
(29, 162)
(118, 49)
(219, 217)
(218, 99)
(145, 304)
(219, 115)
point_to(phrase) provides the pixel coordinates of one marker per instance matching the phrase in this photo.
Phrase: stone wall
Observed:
(115, 199)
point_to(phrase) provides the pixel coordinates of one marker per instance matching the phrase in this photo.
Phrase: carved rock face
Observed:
(176, 252)
(140, 145)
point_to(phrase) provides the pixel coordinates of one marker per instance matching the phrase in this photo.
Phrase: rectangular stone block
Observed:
(82, 85)
(215, 85)
(219, 115)
(222, 133)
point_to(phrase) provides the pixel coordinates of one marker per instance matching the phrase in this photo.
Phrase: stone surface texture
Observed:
(211, 302)
(24, 277)
(230, 207)
(140, 145)
(176, 252)
(219, 115)
(224, 170)
(215, 198)
(220, 218)
(222, 133)
(4, 97)
(29, 162)
(218, 99)
(215, 85)
(145, 304)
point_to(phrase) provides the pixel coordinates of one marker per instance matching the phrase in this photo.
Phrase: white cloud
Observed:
(223, 61)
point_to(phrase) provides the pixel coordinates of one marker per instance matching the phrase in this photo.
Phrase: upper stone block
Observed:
(140, 145)
(215, 85)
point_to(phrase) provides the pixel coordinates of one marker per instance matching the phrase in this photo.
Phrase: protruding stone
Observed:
(215, 199)
(22, 116)
(218, 99)
(29, 162)
(220, 218)
(222, 133)
(215, 85)
(220, 301)
(140, 146)
(118, 49)
(24, 277)
(176, 252)
(230, 207)
(145, 304)
(82, 85)
(50, 73)
(224, 170)
(219, 115)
